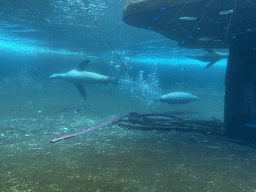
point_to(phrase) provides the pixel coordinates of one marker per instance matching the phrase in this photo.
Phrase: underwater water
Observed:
(40, 39)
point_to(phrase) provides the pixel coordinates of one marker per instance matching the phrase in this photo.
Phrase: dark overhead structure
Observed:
(211, 24)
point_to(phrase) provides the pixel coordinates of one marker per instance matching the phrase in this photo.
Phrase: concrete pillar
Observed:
(240, 95)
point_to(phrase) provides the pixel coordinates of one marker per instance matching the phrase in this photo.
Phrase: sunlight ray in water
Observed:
(171, 147)
(31, 47)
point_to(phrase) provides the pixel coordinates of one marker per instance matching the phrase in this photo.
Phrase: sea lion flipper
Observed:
(82, 65)
(211, 64)
(81, 90)
(210, 50)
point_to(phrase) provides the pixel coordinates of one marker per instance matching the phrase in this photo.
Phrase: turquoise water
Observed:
(38, 40)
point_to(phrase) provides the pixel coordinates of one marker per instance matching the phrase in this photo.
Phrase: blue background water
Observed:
(39, 38)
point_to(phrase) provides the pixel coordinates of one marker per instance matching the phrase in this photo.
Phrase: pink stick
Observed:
(88, 130)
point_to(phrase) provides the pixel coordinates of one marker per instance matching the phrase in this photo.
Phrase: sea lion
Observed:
(212, 56)
(177, 98)
(79, 77)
